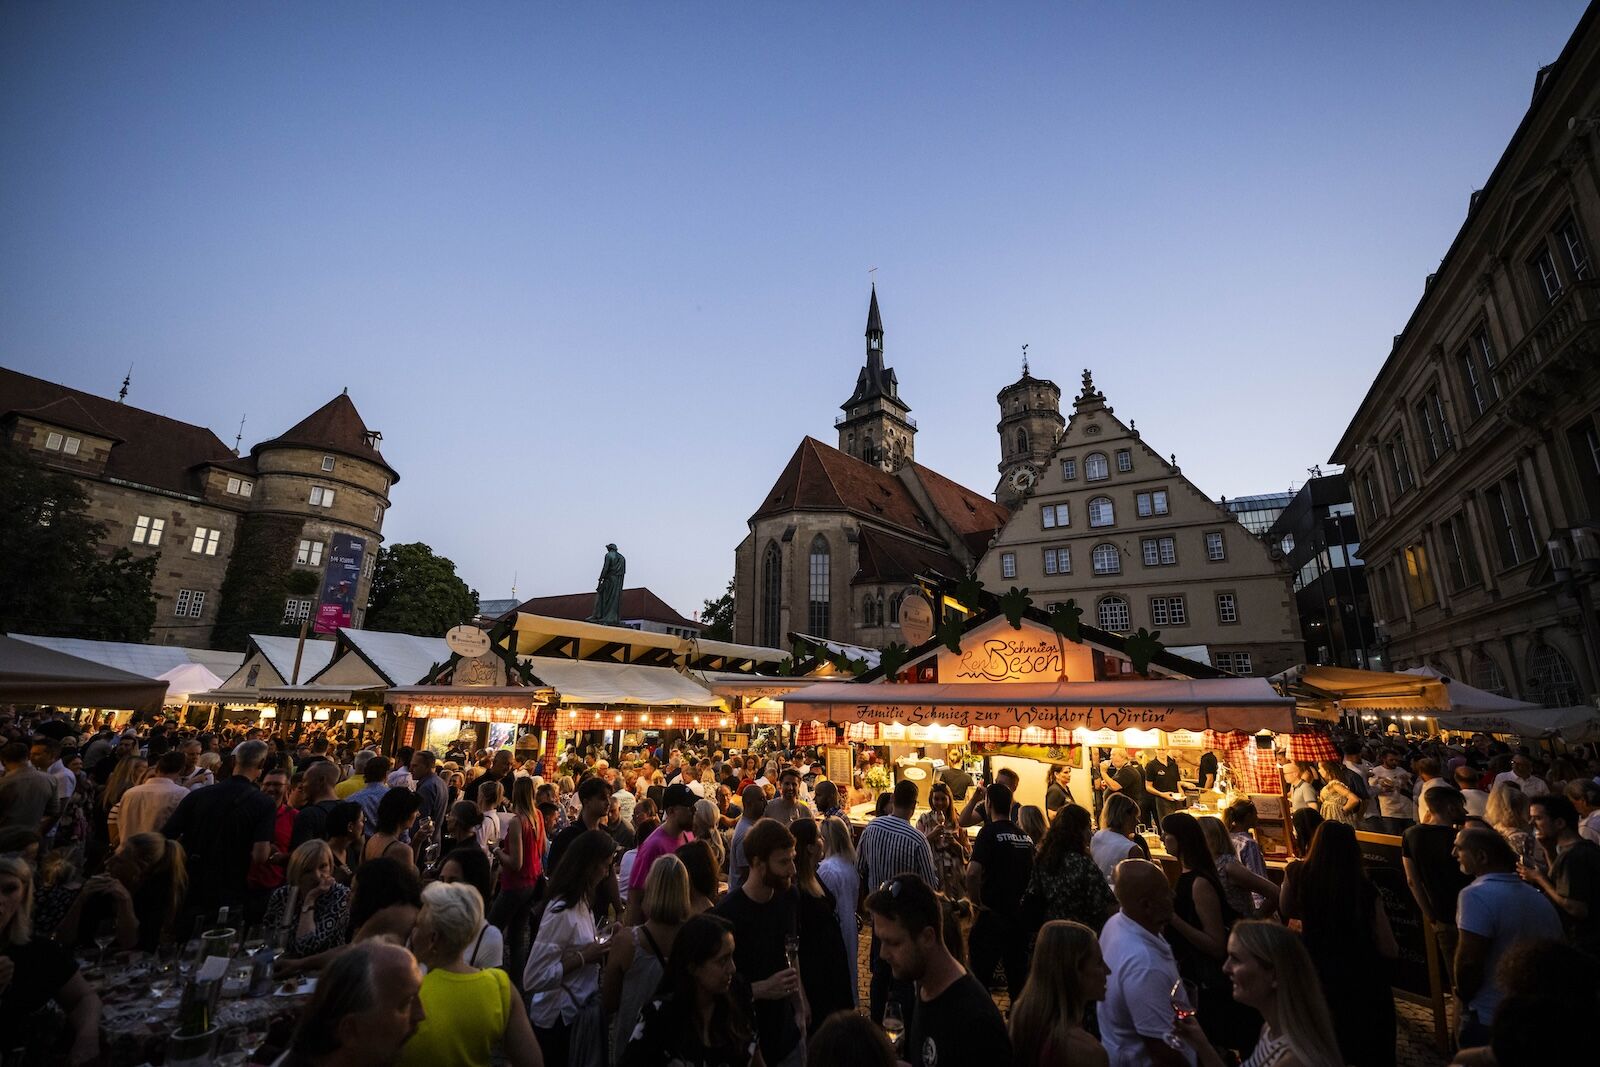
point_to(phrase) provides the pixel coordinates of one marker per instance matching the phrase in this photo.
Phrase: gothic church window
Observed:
(772, 598)
(818, 597)
(1022, 440)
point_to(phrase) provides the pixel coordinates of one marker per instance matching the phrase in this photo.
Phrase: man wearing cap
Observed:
(677, 818)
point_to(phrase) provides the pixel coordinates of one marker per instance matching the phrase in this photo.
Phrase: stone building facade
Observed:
(170, 488)
(1100, 517)
(1474, 459)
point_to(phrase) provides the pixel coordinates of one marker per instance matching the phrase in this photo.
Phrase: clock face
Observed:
(1022, 479)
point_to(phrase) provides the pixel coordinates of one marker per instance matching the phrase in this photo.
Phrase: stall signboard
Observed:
(468, 642)
(1002, 654)
(1045, 716)
(916, 619)
(1381, 856)
(838, 764)
(336, 605)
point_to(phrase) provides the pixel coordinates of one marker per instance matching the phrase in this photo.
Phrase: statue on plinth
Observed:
(608, 594)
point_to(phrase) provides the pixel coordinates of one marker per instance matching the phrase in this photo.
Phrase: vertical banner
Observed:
(336, 606)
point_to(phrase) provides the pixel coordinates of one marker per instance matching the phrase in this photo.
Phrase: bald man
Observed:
(1137, 1014)
(755, 806)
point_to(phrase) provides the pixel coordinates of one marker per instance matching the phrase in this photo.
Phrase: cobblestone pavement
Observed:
(1415, 1047)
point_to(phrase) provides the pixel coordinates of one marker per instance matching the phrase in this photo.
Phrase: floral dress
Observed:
(331, 920)
(1075, 889)
(950, 850)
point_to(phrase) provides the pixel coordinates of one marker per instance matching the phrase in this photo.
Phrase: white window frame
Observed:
(1216, 548)
(147, 530)
(1089, 467)
(1110, 553)
(1107, 510)
(1054, 516)
(1058, 560)
(321, 497)
(1168, 611)
(240, 486)
(309, 553)
(190, 604)
(1008, 564)
(1124, 460)
(52, 441)
(205, 541)
(327, 464)
(1069, 470)
(1113, 603)
(70, 446)
(296, 609)
(1227, 608)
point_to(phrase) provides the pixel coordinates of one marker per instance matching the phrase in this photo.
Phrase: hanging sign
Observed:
(468, 642)
(916, 619)
(336, 606)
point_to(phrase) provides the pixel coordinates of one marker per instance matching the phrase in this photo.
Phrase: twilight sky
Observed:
(595, 269)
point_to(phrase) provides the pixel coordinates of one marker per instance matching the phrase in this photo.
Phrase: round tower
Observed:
(1029, 427)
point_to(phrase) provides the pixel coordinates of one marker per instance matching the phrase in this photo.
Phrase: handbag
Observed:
(590, 1043)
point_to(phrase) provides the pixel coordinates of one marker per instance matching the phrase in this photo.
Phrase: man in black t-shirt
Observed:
(1164, 783)
(1002, 860)
(224, 828)
(954, 1021)
(1427, 852)
(764, 913)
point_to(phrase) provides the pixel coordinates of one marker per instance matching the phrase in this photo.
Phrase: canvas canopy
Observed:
(1575, 724)
(1354, 690)
(187, 679)
(30, 674)
(1465, 699)
(1248, 704)
(588, 682)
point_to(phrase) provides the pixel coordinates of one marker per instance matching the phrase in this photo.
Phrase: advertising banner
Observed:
(336, 605)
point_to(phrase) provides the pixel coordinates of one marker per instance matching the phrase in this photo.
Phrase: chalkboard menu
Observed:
(1380, 855)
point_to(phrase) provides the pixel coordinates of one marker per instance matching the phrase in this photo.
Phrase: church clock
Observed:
(1022, 479)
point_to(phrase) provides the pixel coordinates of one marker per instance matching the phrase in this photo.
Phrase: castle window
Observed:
(1112, 613)
(1069, 470)
(1022, 440)
(1215, 550)
(1154, 503)
(772, 597)
(147, 530)
(309, 553)
(327, 463)
(1094, 467)
(1233, 662)
(868, 618)
(1054, 515)
(296, 609)
(1227, 608)
(1107, 560)
(1124, 460)
(818, 601)
(320, 497)
(205, 541)
(1102, 512)
(69, 447)
(1008, 564)
(52, 442)
(189, 604)
(240, 486)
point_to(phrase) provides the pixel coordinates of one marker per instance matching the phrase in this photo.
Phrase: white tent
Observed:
(187, 678)
(1470, 700)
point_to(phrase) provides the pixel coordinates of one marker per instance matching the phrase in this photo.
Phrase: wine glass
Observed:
(893, 1024)
(233, 1047)
(791, 951)
(255, 940)
(1185, 1006)
(104, 934)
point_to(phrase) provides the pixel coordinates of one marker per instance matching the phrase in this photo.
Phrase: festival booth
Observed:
(352, 686)
(270, 663)
(31, 674)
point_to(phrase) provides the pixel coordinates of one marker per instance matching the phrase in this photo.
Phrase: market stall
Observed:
(31, 674)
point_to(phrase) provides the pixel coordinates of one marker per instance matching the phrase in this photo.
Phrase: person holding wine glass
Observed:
(950, 845)
(135, 903)
(563, 973)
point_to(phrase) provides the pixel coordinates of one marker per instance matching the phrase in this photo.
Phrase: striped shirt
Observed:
(891, 846)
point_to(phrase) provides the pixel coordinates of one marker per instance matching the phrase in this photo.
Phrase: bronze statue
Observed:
(608, 594)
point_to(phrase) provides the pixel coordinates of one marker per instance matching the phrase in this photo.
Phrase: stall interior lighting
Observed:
(322, 715)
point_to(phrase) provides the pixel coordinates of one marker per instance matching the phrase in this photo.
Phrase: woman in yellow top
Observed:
(469, 1011)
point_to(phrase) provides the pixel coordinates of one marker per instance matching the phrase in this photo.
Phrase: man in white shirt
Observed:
(45, 755)
(194, 776)
(1521, 775)
(1467, 782)
(1392, 785)
(1585, 796)
(1137, 1014)
(145, 808)
(1427, 769)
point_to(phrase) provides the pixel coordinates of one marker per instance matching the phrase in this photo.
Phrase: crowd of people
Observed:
(702, 907)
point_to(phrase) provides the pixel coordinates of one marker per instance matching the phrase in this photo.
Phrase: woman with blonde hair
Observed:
(1030, 819)
(635, 964)
(838, 872)
(40, 971)
(1337, 801)
(1507, 811)
(1240, 885)
(1068, 974)
(128, 773)
(311, 902)
(468, 1011)
(1270, 971)
(141, 891)
(705, 829)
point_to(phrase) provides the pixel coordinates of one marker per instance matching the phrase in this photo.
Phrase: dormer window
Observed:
(372, 438)
(240, 486)
(67, 446)
(327, 463)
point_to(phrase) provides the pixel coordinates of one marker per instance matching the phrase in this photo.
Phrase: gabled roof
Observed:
(279, 651)
(973, 516)
(336, 427)
(152, 449)
(400, 659)
(887, 558)
(637, 603)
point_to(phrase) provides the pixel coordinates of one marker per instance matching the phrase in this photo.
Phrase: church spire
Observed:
(874, 337)
(876, 426)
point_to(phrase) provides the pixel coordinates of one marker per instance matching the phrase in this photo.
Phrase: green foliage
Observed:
(1015, 604)
(302, 583)
(259, 581)
(950, 631)
(892, 658)
(54, 580)
(415, 591)
(1142, 647)
(118, 604)
(1066, 620)
(970, 592)
(717, 616)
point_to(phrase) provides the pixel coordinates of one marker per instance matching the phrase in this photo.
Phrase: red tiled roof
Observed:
(335, 426)
(152, 449)
(885, 558)
(638, 603)
(967, 512)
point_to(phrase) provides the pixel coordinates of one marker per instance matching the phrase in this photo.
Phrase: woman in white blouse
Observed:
(563, 972)
(838, 872)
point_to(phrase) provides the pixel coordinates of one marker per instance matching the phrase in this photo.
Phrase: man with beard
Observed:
(953, 1020)
(763, 911)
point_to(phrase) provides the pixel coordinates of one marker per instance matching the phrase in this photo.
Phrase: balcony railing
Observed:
(840, 420)
(1575, 312)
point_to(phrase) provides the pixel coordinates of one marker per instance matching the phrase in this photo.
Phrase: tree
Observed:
(717, 616)
(54, 581)
(415, 591)
(259, 580)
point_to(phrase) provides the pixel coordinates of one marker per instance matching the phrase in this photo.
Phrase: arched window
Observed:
(1486, 675)
(877, 611)
(869, 451)
(850, 443)
(1551, 680)
(772, 597)
(1102, 512)
(867, 604)
(1107, 560)
(1022, 439)
(817, 600)
(1095, 468)
(1112, 614)
(894, 608)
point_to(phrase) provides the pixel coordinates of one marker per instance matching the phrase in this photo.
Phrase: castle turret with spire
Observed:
(876, 426)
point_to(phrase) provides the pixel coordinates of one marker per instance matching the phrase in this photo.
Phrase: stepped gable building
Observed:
(1098, 516)
(171, 488)
(844, 533)
(1474, 459)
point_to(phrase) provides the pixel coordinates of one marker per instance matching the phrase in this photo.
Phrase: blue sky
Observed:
(595, 269)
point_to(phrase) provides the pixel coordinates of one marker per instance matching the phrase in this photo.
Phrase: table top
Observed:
(861, 814)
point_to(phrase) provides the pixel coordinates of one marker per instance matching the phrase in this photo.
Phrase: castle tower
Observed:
(1029, 427)
(876, 426)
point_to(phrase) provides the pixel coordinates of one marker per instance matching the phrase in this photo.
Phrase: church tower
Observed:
(1029, 427)
(876, 426)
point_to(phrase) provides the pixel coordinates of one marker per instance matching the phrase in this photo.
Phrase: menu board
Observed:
(1380, 855)
(838, 766)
